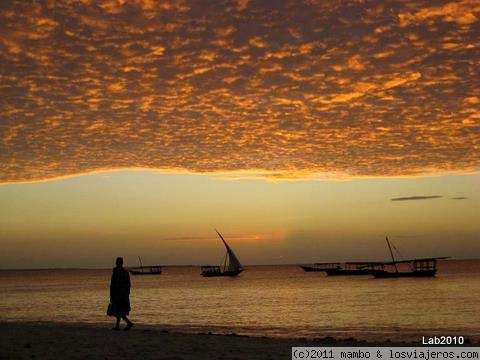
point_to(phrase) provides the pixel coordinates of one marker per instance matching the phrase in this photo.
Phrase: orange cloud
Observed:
(314, 89)
(463, 12)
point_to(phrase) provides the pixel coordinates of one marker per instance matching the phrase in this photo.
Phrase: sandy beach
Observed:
(86, 341)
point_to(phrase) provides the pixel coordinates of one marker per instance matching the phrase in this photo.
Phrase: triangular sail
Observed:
(233, 262)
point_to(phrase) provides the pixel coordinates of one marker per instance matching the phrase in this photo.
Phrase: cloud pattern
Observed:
(278, 89)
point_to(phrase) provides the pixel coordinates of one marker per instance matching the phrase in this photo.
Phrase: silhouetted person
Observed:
(120, 294)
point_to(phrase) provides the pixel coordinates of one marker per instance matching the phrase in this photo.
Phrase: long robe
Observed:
(120, 291)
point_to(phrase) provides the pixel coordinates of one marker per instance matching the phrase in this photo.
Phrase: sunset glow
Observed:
(281, 90)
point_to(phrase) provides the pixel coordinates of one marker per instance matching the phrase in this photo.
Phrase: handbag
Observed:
(110, 309)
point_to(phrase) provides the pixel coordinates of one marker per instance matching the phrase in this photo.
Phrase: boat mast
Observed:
(140, 260)
(391, 253)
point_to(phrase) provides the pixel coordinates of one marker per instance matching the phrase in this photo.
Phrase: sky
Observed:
(303, 130)
(87, 221)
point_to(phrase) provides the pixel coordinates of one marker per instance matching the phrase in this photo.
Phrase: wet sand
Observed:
(34, 340)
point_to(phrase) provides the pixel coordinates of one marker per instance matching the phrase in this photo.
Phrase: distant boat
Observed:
(320, 267)
(145, 270)
(348, 268)
(355, 268)
(231, 265)
(424, 267)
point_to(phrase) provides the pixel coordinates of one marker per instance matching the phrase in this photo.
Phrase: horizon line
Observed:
(192, 265)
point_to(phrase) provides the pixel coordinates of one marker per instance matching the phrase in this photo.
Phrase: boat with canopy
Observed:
(347, 268)
(422, 267)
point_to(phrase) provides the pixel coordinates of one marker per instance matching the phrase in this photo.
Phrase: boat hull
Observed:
(408, 274)
(310, 268)
(146, 270)
(339, 272)
(135, 272)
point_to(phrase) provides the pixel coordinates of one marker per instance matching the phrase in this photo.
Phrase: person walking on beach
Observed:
(120, 294)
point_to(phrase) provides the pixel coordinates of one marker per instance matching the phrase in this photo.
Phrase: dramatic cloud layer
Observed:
(283, 89)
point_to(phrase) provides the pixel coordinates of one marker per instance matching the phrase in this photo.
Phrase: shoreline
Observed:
(51, 340)
(366, 335)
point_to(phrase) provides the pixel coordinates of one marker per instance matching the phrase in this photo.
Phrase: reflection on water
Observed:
(264, 300)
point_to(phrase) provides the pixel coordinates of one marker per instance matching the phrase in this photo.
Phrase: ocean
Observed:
(274, 301)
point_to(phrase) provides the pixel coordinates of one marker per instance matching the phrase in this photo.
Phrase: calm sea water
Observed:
(280, 301)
